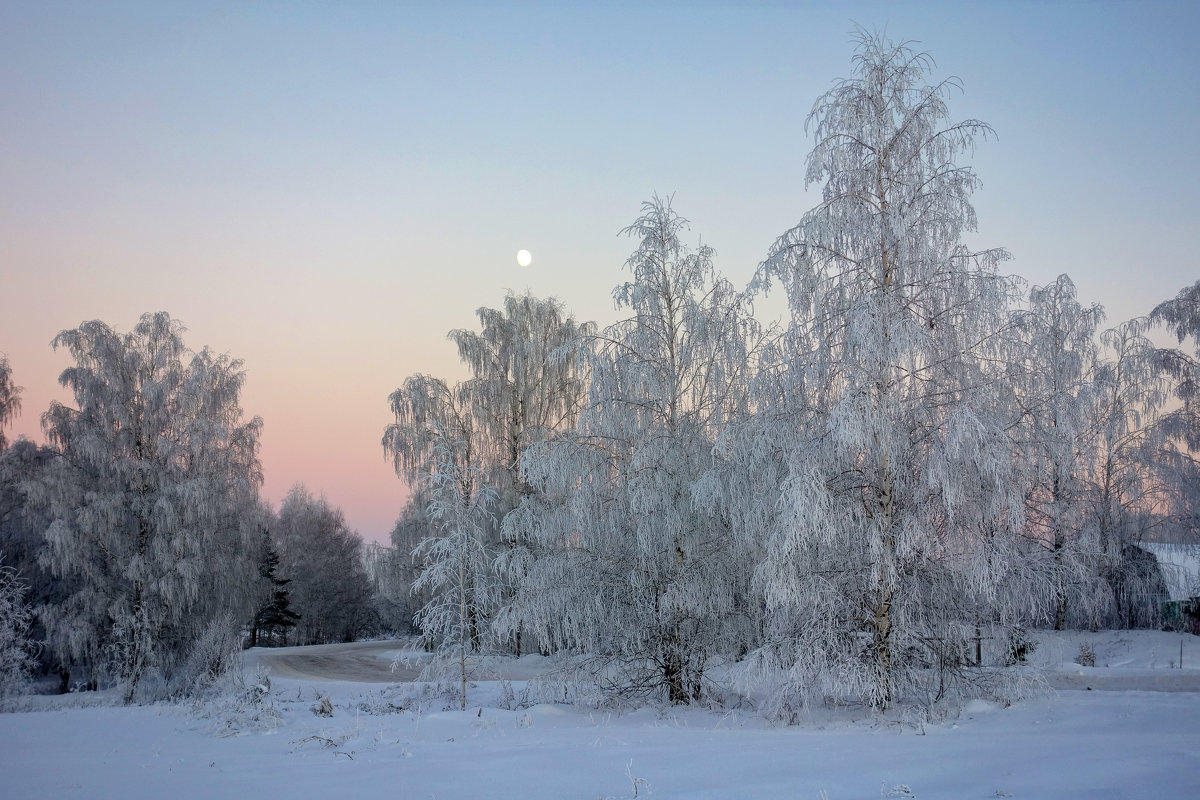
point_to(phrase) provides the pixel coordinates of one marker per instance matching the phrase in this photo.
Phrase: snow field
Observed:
(1062, 744)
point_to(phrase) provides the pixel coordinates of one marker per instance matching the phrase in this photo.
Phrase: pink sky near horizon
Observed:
(324, 192)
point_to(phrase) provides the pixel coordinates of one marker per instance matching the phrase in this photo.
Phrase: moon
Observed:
(524, 258)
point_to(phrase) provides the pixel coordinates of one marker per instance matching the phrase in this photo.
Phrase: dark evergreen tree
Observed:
(275, 616)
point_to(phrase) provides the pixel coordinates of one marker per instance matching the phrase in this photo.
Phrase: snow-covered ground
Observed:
(1066, 743)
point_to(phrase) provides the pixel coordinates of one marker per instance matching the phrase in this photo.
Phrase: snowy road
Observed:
(1112, 680)
(364, 662)
(371, 662)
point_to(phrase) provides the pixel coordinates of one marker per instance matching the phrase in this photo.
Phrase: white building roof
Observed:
(1180, 565)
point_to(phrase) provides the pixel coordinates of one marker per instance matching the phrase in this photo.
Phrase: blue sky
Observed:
(324, 190)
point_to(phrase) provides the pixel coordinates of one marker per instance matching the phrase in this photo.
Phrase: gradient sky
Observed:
(324, 190)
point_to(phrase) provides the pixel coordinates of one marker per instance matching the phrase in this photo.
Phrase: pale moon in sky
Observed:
(524, 258)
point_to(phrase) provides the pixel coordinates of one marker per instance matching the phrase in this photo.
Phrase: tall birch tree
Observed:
(435, 434)
(1125, 471)
(1181, 316)
(526, 385)
(881, 402)
(1053, 365)
(455, 563)
(520, 391)
(639, 569)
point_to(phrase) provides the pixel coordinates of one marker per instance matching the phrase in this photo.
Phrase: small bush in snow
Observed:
(240, 705)
(323, 707)
(381, 703)
(508, 698)
(1086, 657)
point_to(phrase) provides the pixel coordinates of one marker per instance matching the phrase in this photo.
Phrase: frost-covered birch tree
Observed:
(23, 523)
(435, 433)
(427, 409)
(1181, 315)
(455, 563)
(152, 498)
(525, 386)
(639, 568)
(390, 570)
(881, 402)
(16, 651)
(10, 398)
(412, 527)
(24, 583)
(520, 391)
(15, 463)
(1053, 364)
(1124, 470)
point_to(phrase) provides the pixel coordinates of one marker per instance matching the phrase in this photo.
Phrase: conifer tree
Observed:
(275, 616)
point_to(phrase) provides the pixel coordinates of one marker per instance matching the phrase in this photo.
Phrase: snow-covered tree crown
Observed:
(895, 200)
